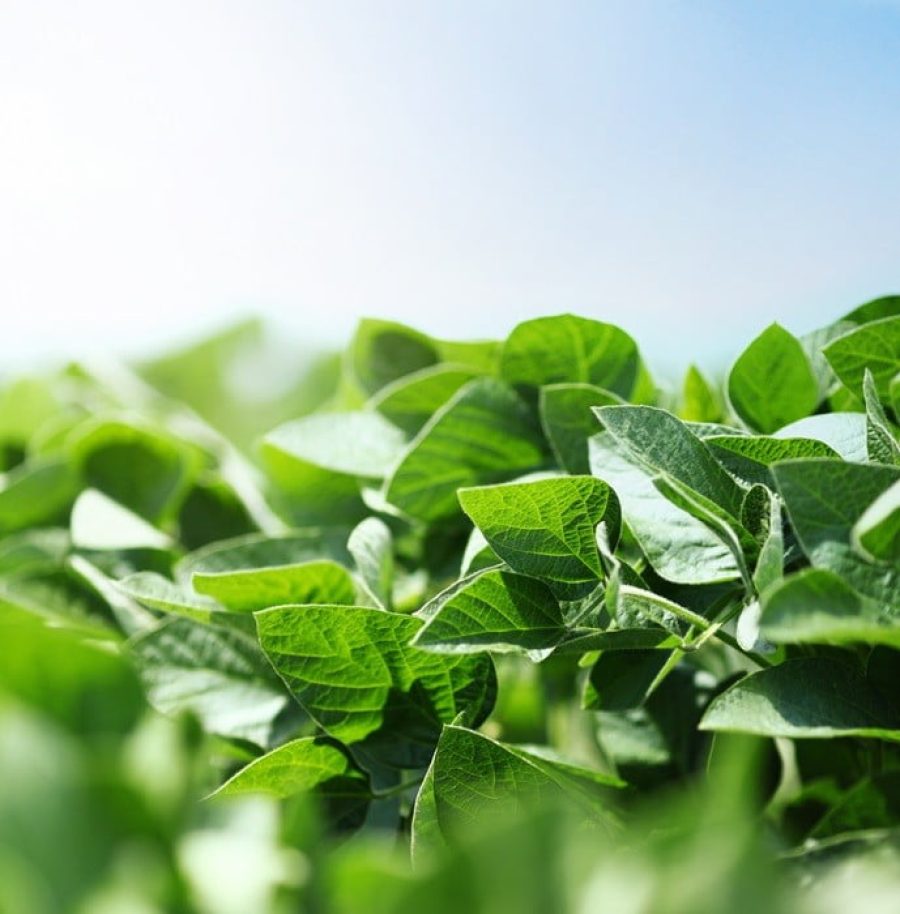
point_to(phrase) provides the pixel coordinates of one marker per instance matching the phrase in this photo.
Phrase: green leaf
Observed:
(138, 466)
(876, 535)
(258, 551)
(218, 674)
(156, 592)
(568, 421)
(354, 671)
(382, 351)
(546, 529)
(410, 401)
(100, 523)
(824, 500)
(565, 348)
(663, 444)
(251, 589)
(699, 400)
(25, 405)
(772, 382)
(476, 778)
(816, 606)
(37, 493)
(484, 434)
(425, 832)
(874, 346)
(679, 547)
(874, 310)
(844, 433)
(372, 548)
(750, 457)
(293, 768)
(477, 555)
(360, 444)
(807, 698)
(494, 610)
(880, 440)
(319, 462)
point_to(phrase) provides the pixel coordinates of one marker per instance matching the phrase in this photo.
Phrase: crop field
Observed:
(496, 626)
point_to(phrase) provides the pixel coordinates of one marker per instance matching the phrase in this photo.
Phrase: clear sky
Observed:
(691, 170)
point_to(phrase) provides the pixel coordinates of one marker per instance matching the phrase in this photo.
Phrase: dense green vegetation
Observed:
(493, 626)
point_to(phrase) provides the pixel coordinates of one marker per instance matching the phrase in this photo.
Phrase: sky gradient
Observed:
(691, 170)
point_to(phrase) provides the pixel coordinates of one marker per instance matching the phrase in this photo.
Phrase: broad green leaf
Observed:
(362, 443)
(816, 606)
(257, 550)
(483, 356)
(880, 440)
(410, 401)
(37, 493)
(662, 443)
(475, 778)
(546, 529)
(749, 457)
(806, 698)
(295, 767)
(824, 500)
(699, 400)
(568, 420)
(213, 510)
(382, 351)
(565, 348)
(218, 674)
(484, 434)
(496, 610)
(250, 589)
(320, 461)
(895, 395)
(772, 382)
(138, 466)
(98, 522)
(844, 433)
(354, 671)
(156, 592)
(876, 535)
(372, 548)
(874, 310)
(874, 346)
(679, 547)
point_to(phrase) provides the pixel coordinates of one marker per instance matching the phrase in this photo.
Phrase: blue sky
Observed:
(691, 170)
